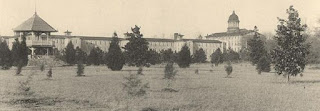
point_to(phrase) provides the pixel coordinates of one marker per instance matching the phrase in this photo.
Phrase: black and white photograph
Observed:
(159, 55)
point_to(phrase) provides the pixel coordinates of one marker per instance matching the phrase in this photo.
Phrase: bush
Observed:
(134, 86)
(80, 69)
(216, 57)
(200, 56)
(49, 75)
(42, 67)
(115, 59)
(19, 69)
(228, 69)
(140, 71)
(169, 71)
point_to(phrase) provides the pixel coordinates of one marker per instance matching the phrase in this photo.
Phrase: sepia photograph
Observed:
(159, 55)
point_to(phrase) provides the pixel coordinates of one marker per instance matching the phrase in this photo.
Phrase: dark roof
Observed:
(221, 34)
(233, 17)
(159, 39)
(35, 23)
(202, 40)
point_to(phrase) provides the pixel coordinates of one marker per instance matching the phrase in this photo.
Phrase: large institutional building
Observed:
(41, 41)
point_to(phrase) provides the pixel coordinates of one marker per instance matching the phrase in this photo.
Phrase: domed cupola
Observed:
(233, 22)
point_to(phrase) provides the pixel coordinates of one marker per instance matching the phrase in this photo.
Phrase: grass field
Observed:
(101, 89)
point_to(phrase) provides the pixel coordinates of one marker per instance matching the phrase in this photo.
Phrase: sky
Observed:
(157, 18)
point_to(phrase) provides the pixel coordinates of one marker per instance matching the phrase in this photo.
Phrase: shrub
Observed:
(169, 71)
(196, 71)
(228, 68)
(140, 71)
(19, 69)
(42, 67)
(49, 75)
(134, 85)
(80, 69)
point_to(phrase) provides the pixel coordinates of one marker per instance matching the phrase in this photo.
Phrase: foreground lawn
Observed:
(101, 89)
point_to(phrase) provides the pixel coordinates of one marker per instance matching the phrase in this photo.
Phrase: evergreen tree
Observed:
(217, 57)
(5, 55)
(81, 56)
(115, 58)
(200, 56)
(167, 55)
(23, 53)
(70, 54)
(289, 56)
(264, 64)
(136, 50)
(231, 56)
(95, 57)
(256, 48)
(153, 57)
(15, 52)
(184, 57)
(244, 54)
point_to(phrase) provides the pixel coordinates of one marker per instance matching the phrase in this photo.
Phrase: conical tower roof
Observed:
(35, 23)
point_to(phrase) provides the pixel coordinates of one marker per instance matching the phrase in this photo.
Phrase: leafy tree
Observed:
(314, 56)
(217, 57)
(136, 50)
(167, 55)
(81, 56)
(263, 64)
(289, 56)
(115, 58)
(70, 54)
(5, 55)
(200, 56)
(256, 48)
(184, 57)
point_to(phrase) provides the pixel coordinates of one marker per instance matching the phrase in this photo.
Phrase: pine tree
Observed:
(200, 56)
(95, 57)
(216, 57)
(81, 56)
(70, 54)
(167, 55)
(264, 64)
(256, 48)
(15, 52)
(5, 55)
(115, 58)
(289, 56)
(23, 53)
(153, 57)
(136, 50)
(184, 57)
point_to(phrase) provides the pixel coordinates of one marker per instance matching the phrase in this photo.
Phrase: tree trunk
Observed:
(288, 77)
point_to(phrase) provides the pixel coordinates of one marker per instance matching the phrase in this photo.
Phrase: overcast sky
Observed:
(157, 18)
